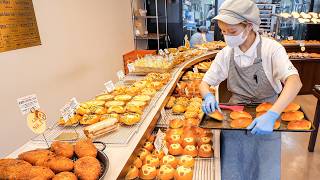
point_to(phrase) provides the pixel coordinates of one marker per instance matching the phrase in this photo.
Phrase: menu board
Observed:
(18, 25)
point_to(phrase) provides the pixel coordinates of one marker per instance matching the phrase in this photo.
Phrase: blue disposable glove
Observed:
(264, 124)
(210, 104)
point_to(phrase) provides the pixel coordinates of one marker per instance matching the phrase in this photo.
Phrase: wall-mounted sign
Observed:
(18, 25)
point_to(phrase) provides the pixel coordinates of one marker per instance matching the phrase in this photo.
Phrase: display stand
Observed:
(316, 121)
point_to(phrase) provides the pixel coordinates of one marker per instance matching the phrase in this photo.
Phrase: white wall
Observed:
(82, 46)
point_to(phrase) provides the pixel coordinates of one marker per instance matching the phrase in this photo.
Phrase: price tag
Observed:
(290, 38)
(166, 51)
(36, 121)
(27, 103)
(165, 149)
(120, 75)
(109, 86)
(195, 69)
(303, 48)
(68, 110)
(158, 142)
(161, 53)
(131, 67)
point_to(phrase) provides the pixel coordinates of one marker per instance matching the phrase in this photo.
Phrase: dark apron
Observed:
(246, 156)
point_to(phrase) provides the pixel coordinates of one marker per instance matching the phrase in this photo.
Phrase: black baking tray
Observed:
(210, 123)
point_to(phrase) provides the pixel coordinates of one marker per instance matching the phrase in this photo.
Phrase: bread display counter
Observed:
(124, 143)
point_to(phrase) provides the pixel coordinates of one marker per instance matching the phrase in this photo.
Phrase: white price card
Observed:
(109, 86)
(290, 38)
(158, 142)
(195, 70)
(120, 75)
(131, 67)
(68, 110)
(27, 103)
(161, 53)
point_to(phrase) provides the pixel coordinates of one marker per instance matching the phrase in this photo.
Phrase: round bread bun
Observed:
(191, 114)
(191, 122)
(241, 123)
(143, 153)
(178, 131)
(178, 109)
(151, 138)
(188, 141)
(204, 140)
(166, 172)
(175, 149)
(292, 116)
(174, 138)
(205, 151)
(260, 113)
(137, 162)
(276, 125)
(132, 173)
(292, 107)
(299, 125)
(152, 160)
(169, 159)
(186, 161)
(148, 172)
(148, 146)
(240, 114)
(217, 115)
(159, 153)
(176, 123)
(190, 150)
(183, 173)
(263, 107)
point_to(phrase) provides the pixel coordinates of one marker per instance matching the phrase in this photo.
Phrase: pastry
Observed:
(169, 159)
(56, 163)
(85, 148)
(116, 109)
(176, 123)
(191, 114)
(133, 91)
(204, 140)
(143, 153)
(186, 161)
(124, 98)
(158, 153)
(144, 98)
(65, 176)
(276, 125)
(174, 138)
(87, 168)
(135, 106)
(183, 173)
(291, 116)
(166, 172)
(137, 162)
(152, 160)
(191, 122)
(39, 172)
(205, 151)
(35, 155)
(105, 97)
(177, 108)
(62, 149)
(114, 103)
(241, 123)
(260, 113)
(155, 85)
(111, 116)
(170, 103)
(130, 118)
(148, 146)
(148, 91)
(182, 101)
(240, 114)
(82, 111)
(89, 119)
(193, 108)
(263, 107)
(292, 107)
(71, 121)
(151, 138)
(175, 149)
(101, 128)
(190, 150)
(178, 131)
(217, 115)
(189, 140)
(132, 173)
(148, 172)
(299, 125)
(14, 169)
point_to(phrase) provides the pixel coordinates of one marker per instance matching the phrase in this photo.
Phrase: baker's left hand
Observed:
(264, 123)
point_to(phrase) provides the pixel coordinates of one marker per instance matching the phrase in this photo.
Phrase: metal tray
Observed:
(210, 123)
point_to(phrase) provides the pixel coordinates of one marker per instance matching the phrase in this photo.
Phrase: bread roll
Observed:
(217, 115)
(260, 113)
(241, 123)
(299, 125)
(292, 116)
(263, 107)
(101, 128)
(176, 123)
(240, 114)
(276, 125)
(292, 107)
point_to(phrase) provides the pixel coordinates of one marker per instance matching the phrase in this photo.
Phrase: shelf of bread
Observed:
(304, 56)
(300, 42)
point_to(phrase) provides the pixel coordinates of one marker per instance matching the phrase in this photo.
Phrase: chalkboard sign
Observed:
(18, 25)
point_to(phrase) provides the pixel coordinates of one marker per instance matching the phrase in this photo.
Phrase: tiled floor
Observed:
(297, 162)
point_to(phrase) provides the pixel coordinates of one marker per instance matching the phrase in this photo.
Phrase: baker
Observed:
(255, 68)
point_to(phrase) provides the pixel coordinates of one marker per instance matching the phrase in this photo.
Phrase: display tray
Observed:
(210, 123)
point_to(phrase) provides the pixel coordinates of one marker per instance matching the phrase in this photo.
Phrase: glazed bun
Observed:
(169, 159)
(186, 161)
(174, 138)
(191, 122)
(166, 172)
(204, 140)
(292, 107)
(292, 116)
(190, 150)
(152, 160)
(217, 115)
(189, 140)
(137, 162)
(299, 125)
(176, 123)
(175, 149)
(148, 172)
(143, 153)
(241, 123)
(183, 173)
(263, 107)
(205, 151)
(148, 146)
(240, 114)
(132, 173)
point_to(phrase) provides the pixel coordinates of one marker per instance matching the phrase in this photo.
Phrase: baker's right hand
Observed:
(210, 104)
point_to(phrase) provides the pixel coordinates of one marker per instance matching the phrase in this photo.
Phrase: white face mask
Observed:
(234, 41)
